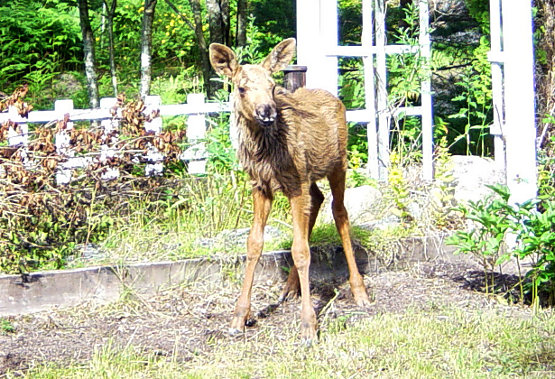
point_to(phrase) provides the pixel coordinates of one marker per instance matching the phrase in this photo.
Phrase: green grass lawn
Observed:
(446, 342)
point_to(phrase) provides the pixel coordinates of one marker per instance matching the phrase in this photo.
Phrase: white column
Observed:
(495, 56)
(317, 34)
(107, 149)
(156, 166)
(519, 100)
(62, 142)
(426, 95)
(384, 117)
(369, 87)
(20, 134)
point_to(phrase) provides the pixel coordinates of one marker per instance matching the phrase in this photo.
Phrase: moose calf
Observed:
(288, 141)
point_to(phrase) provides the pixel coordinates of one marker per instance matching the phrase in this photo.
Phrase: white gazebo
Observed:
(512, 77)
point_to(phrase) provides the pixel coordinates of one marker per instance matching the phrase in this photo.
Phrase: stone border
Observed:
(20, 294)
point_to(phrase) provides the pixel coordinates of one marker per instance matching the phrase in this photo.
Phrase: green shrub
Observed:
(531, 223)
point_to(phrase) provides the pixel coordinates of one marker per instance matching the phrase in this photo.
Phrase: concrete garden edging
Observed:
(37, 291)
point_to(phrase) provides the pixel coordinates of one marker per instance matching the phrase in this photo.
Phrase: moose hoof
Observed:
(288, 294)
(309, 334)
(234, 332)
(237, 326)
(361, 296)
(363, 301)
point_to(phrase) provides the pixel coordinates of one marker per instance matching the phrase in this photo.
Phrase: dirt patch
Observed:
(183, 321)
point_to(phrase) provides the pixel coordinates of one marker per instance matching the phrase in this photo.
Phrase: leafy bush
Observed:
(531, 223)
(475, 103)
(36, 49)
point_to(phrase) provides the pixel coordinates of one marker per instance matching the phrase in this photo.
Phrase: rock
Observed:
(90, 252)
(388, 222)
(472, 174)
(359, 201)
(238, 237)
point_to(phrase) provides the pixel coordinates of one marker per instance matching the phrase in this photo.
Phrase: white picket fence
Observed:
(196, 109)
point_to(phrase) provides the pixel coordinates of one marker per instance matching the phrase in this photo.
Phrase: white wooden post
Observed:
(62, 142)
(384, 117)
(496, 58)
(155, 167)
(196, 135)
(107, 149)
(16, 138)
(19, 138)
(369, 87)
(315, 35)
(519, 100)
(426, 94)
(329, 39)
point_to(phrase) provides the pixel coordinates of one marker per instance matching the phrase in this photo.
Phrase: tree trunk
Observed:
(225, 18)
(88, 50)
(111, 11)
(201, 42)
(218, 20)
(241, 23)
(218, 25)
(146, 47)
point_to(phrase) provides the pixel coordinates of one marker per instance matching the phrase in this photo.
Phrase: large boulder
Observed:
(360, 203)
(471, 176)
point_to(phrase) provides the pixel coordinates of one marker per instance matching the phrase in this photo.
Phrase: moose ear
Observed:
(280, 56)
(223, 59)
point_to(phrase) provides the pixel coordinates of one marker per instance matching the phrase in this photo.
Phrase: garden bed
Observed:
(179, 311)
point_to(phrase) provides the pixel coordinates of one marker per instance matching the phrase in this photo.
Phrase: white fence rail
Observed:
(196, 109)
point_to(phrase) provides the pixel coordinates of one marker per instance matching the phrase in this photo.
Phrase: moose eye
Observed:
(242, 90)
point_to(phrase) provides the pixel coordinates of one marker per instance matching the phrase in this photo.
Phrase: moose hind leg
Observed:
(337, 184)
(292, 286)
(255, 243)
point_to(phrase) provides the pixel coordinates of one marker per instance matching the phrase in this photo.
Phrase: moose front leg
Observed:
(255, 243)
(292, 286)
(301, 257)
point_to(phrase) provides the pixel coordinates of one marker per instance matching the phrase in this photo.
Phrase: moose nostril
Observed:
(266, 115)
(266, 112)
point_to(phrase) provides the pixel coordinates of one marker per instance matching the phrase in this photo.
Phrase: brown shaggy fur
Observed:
(291, 151)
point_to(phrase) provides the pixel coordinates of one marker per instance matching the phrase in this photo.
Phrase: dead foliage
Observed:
(41, 222)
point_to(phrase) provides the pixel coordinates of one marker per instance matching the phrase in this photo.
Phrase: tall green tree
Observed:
(201, 42)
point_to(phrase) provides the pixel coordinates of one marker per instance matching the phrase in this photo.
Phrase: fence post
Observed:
(62, 142)
(367, 39)
(294, 77)
(19, 136)
(519, 100)
(109, 139)
(384, 116)
(196, 134)
(426, 94)
(495, 57)
(156, 166)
